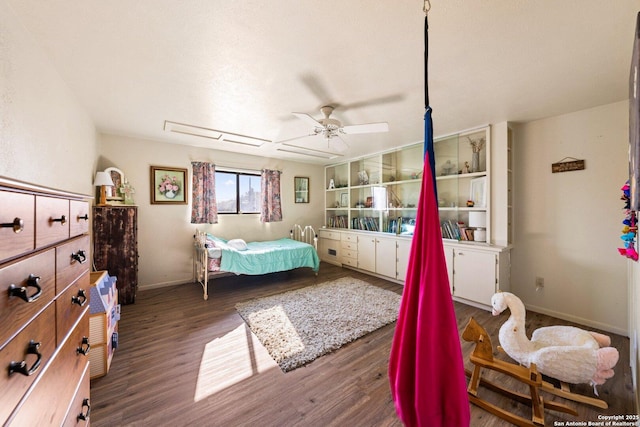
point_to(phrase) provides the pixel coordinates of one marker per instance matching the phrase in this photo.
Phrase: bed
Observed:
(214, 256)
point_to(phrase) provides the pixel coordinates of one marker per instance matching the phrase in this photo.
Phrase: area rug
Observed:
(298, 326)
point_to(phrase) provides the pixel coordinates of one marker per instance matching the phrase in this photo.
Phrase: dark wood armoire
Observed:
(115, 247)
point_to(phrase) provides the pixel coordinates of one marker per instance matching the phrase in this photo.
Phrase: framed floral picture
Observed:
(169, 186)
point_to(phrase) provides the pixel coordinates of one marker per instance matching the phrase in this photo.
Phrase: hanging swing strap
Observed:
(426, 57)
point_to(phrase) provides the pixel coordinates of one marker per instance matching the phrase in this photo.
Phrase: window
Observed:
(238, 192)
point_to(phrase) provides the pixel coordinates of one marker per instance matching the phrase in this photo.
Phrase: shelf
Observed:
(461, 175)
(376, 181)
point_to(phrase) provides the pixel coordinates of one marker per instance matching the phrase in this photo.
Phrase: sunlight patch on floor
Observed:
(230, 359)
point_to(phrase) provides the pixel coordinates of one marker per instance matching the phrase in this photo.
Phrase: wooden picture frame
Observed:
(169, 186)
(301, 189)
(117, 176)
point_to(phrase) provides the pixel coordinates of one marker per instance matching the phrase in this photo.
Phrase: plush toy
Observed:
(630, 226)
(566, 353)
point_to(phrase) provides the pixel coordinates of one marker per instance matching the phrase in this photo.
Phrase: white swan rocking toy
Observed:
(566, 353)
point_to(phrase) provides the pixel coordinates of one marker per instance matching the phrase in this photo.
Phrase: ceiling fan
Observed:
(331, 129)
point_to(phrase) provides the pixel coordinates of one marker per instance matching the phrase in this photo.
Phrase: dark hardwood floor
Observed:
(185, 361)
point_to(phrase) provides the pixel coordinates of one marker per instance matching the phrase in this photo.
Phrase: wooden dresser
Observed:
(44, 306)
(115, 247)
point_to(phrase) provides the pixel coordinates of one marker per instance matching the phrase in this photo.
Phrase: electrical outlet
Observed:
(539, 282)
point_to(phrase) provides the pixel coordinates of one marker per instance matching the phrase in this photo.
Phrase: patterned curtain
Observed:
(271, 209)
(204, 209)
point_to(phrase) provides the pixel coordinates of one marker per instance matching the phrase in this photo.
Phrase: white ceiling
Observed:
(244, 66)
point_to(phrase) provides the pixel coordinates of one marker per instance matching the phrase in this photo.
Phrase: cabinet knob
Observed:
(21, 291)
(62, 220)
(84, 415)
(21, 367)
(80, 256)
(85, 217)
(17, 225)
(84, 347)
(80, 299)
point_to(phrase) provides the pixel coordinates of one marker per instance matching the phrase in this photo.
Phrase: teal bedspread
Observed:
(267, 257)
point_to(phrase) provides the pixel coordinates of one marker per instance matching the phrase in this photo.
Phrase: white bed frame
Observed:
(201, 272)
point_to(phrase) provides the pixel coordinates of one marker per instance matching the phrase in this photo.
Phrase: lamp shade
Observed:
(102, 178)
(477, 219)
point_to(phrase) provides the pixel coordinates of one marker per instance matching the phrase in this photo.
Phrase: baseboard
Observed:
(579, 320)
(165, 284)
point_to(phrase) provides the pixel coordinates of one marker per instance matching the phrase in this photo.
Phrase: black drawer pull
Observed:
(62, 220)
(34, 282)
(21, 367)
(84, 416)
(84, 347)
(80, 299)
(85, 217)
(79, 256)
(17, 225)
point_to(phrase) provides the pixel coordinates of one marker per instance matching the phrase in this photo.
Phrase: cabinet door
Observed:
(403, 249)
(367, 253)
(448, 256)
(329, 250)
(474, 275)
(386, 257)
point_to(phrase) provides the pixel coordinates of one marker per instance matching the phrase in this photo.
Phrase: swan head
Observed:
(498, 303)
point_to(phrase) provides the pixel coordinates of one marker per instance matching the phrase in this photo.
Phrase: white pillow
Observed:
(238, 244)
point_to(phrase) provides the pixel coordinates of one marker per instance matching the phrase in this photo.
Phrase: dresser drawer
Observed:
(349, 238)
(352, 262)
(49, 401)
(352, 246)
(331, 235)
(79, 412)
(15, 311)
(72, 261)
(13, 386)
(52, 220)
(70, 305)
(348, 253)
(18, 210)
(78, 217)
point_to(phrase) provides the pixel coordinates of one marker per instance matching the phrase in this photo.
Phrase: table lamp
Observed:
(478, 221)
(102, 180)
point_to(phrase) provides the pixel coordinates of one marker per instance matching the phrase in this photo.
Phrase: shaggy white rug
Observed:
(298, 326)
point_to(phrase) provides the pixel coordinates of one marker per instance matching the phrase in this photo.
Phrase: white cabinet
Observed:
(476, 273)
(329, 246)
(377, 255)
(386, 256)
(403, 248)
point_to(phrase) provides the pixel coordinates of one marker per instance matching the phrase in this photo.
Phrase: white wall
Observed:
(165, 234)
(46, 138)
(568, 225)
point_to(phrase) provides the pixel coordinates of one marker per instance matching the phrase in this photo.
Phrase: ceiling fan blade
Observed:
(366, 128)
(339, 144)
(308, 119)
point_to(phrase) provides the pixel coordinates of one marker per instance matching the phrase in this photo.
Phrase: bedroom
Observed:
(50, 137)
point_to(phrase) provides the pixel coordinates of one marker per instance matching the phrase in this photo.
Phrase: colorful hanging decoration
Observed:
(630, 228)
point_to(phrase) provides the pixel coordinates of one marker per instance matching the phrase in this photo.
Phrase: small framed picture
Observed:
(478, 192)
(169, 186)
(117, 176)
(344, 200)
(301, 188)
